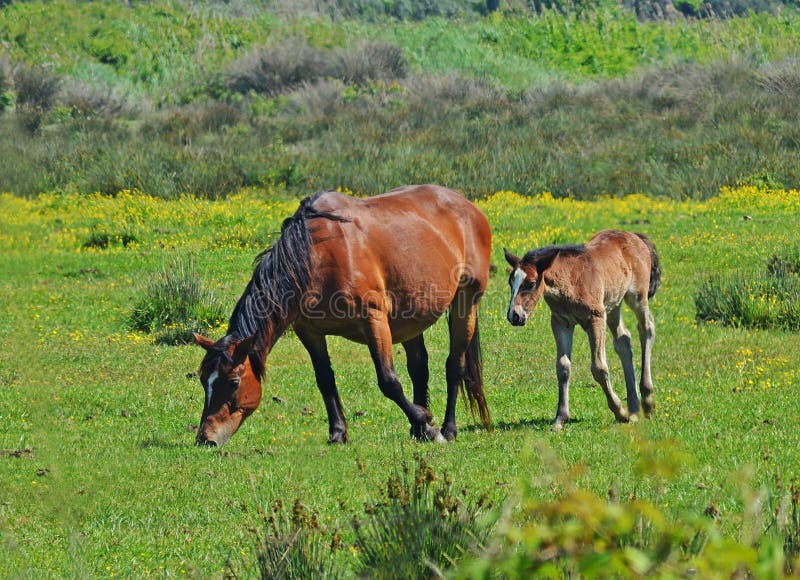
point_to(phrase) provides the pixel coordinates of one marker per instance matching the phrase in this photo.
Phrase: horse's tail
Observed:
(472, 385)
(655, 266)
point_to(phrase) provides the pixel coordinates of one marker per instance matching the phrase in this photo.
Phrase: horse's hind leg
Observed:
(317, 348)
(462, 321)
(597, 342)
(622, 346)
(647, 335)
(417, 365)
(379, 340)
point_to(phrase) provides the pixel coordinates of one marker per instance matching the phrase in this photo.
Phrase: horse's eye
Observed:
(527, 286)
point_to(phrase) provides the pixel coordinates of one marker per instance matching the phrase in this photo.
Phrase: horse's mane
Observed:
(548, 253)
(281, 276)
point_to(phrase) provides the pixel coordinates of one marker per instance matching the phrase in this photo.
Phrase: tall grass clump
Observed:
(763, 300)
(420, 527)
(176, 303)
(295, 545)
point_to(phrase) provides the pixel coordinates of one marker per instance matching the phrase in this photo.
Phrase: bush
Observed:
(580, 534)
(419, 528)
(754, 299)
(175, 304)
(294, 546)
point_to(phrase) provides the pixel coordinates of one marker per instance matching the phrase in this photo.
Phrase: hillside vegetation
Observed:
(176, 97)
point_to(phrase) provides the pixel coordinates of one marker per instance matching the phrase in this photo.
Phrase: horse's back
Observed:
(430, 225)
(623, 256)
(405, 253)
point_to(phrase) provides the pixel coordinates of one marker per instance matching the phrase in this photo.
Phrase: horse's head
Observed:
(233, 391)
(524, 281)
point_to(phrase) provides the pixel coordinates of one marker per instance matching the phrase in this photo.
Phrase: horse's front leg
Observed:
(317, 348)
(563, 332)
(379, 339)
(595, 328)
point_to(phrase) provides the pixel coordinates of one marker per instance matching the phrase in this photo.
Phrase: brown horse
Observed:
(585, 285)
(376, 271)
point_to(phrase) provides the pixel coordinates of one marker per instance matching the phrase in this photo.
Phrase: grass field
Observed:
(100, 476)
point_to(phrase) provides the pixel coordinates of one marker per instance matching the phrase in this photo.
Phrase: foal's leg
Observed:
(622, 346)
(595, 328)
(317, 347)
(647, 335)
(417, 365)
(563, 332)
(463, 317)
(379, 340)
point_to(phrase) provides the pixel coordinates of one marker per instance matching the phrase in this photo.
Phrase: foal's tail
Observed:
(655, 266)
(472, 384)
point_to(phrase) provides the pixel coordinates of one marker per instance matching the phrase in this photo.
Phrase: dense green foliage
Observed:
(768, 298)
(172, 98)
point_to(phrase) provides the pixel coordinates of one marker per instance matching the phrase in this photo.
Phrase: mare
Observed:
(586, 285)
(377, 271)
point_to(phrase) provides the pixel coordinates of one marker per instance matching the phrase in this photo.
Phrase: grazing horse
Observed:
(377, 271)
(585, 285)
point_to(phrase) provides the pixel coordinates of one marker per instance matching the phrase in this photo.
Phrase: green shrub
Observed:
(763, 300)
(578, 533)
(295, 545)
(419, 528)
(176, 303)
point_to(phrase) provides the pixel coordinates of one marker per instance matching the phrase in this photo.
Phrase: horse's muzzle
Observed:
(517, 316)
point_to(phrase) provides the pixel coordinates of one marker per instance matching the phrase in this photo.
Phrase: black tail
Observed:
(473, 380)
(655, 266)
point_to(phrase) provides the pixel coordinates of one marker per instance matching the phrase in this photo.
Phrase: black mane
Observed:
(548, 253)
(281, 276)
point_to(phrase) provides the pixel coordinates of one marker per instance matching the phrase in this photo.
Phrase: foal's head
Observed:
(526, 288)
(232, 389)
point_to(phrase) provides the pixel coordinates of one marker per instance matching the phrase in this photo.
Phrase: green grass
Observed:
(100, 474)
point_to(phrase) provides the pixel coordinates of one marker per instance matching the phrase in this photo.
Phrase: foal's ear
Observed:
(511, 259)
(206, 343)
(243, 348)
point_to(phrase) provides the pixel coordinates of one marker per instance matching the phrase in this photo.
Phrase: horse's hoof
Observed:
(633, 418)
(337, 439)
(449, 433)
(558, 427)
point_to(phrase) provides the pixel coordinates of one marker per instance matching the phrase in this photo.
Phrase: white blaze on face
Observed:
(210, 387)
(516, 281)
(519, 278)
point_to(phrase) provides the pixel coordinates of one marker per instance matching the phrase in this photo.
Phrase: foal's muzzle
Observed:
(517, 316)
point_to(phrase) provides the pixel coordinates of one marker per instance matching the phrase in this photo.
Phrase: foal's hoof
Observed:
(622, 416)
(633, 418)
(648, 406)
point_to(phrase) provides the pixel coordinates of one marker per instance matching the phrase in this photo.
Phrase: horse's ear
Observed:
(243, 349)
(206, 343)
(511, 259)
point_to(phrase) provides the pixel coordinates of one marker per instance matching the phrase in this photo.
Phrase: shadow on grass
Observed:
(540, 424)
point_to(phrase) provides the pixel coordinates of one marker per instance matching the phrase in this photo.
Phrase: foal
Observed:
(585, 285)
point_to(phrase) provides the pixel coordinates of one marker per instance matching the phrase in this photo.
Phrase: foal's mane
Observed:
(281, 276)
(547, 254)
